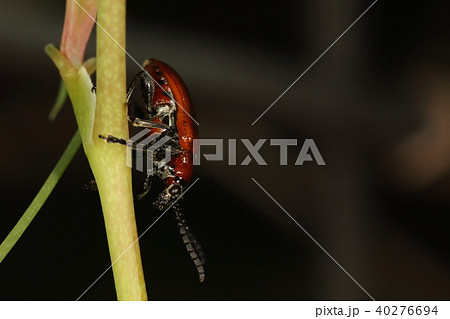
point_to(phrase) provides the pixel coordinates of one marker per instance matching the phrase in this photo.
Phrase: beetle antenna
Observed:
(193, 247)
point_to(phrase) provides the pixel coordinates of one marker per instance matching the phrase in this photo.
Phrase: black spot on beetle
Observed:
(162, 81)
(157, 70)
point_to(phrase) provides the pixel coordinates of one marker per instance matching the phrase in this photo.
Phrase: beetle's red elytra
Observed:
(172, 91)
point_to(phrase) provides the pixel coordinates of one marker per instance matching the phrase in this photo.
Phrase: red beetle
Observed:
(168, 113)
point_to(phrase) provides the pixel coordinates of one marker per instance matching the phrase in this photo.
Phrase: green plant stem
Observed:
(108, 161)
(41, 196)
(105, 114)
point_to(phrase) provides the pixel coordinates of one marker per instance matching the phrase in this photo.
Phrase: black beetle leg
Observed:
(145, 187)
(147, 89)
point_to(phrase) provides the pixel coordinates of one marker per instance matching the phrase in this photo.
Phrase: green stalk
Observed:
(105, 114)
(41, 196)
(108, 161)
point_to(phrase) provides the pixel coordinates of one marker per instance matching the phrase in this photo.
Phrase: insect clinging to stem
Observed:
(167, 113)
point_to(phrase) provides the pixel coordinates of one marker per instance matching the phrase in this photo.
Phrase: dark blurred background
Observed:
(377, 106)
